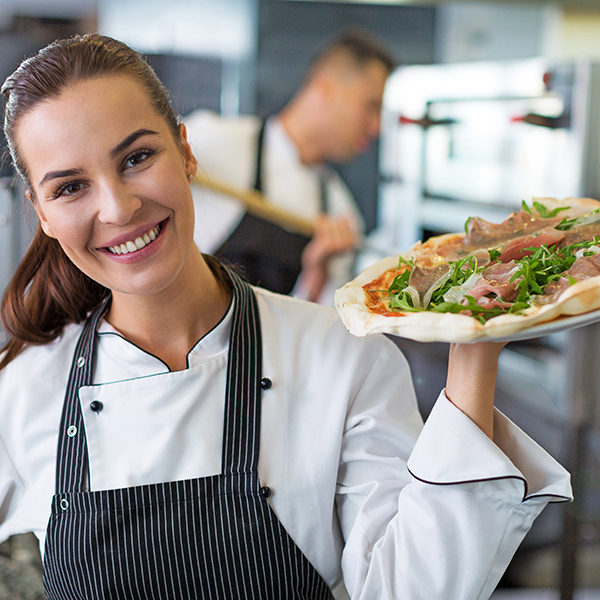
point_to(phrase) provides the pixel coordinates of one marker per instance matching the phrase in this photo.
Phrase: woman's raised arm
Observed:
(472, 370)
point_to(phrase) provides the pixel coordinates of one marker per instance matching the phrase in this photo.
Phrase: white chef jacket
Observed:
(226, 148)
(364, 490)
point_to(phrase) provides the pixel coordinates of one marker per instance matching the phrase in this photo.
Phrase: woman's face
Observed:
(111, 183)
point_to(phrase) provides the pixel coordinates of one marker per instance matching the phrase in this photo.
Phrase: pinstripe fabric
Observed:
(213, 537)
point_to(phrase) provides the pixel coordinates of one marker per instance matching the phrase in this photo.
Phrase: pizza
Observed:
(491, 281)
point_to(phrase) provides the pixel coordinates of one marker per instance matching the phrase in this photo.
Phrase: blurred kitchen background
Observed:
(493, 103)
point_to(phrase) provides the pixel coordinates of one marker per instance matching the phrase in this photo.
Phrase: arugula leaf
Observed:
(481, 313)
(467, 225)
(565, 224)
(525, 207)
(400, 281)
(586, 219)
(409, 263)
(518, 307)
(402, 301)
(548, 214)
(494, 254)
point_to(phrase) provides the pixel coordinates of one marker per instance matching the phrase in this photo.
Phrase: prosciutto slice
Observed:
(583, 268)
(425, 281)
(483, 234)
(517, 248)
(497, 277)
(580, 234)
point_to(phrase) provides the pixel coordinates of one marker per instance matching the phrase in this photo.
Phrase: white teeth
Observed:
(137, 244)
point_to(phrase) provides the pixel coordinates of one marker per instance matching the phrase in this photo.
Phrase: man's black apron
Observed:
(208, 538)
(269, 255)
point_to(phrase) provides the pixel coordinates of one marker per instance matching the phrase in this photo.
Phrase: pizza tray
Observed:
(556, 326)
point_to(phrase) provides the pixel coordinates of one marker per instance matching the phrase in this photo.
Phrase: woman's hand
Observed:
(472, 370)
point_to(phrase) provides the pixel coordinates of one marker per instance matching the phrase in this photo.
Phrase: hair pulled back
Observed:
(47, 291)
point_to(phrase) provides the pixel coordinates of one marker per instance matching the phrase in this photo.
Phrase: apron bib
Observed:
(207, 538)
(269, 254)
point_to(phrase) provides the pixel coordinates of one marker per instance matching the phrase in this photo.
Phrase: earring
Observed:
(190, 177)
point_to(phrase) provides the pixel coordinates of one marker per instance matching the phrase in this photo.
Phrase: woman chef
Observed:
(168, 431)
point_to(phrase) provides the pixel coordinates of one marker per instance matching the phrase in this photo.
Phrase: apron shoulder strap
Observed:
(71, 463)
(258, 183)
(241, 429)
(258, 176)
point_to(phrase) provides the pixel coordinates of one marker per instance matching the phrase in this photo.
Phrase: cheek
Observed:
(70, 227)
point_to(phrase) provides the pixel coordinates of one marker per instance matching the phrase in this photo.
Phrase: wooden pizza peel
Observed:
(257, 204)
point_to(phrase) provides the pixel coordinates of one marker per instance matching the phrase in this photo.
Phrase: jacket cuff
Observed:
(452, 449)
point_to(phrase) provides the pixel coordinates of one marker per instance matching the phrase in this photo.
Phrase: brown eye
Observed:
(72, 188)
(68, 189)
(138, 157)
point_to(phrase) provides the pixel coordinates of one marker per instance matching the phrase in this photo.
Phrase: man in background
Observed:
(333, 117)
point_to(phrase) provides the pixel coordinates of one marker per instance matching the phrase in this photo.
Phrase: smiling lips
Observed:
(137, 244)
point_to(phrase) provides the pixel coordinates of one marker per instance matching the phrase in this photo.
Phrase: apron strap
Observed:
(241, 431)
(258, 186)
(72, 461)
(324, 198)
(241, 428)
(258, 178)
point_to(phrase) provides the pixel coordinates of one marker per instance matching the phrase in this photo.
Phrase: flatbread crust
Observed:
(350, 300)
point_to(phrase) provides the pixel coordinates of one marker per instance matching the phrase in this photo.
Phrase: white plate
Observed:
(554, 326)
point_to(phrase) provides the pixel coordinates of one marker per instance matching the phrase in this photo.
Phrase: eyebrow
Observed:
(130, 139)
(58, 174)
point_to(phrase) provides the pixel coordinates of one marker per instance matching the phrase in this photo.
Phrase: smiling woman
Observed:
(132, 181)
(132, 437)
(117, 207)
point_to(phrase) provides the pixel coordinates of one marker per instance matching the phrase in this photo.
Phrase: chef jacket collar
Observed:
(215, 342)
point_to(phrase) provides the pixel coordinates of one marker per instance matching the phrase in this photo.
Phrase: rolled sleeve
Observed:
(445, 521)
(441, 457)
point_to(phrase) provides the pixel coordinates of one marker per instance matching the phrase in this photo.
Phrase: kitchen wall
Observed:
(204, 32)
(473, 30)
(578, 36)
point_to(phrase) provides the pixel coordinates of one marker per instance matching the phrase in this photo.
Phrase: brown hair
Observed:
(47, 291)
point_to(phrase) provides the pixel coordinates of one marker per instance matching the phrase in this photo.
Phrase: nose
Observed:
(116, 203)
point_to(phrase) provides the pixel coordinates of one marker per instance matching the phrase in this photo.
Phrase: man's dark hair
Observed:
(358, 45)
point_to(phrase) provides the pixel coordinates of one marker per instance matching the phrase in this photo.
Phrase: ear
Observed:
(191, 165)
(43, 221)
(324, 83)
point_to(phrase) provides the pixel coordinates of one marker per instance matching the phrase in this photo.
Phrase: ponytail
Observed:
(46, 293)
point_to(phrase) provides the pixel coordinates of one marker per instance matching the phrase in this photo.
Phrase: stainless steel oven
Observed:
(478, 138)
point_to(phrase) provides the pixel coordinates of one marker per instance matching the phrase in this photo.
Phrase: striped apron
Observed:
(211, 537)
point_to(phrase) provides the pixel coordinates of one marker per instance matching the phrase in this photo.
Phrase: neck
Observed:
(169, 324)
(298, 119)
